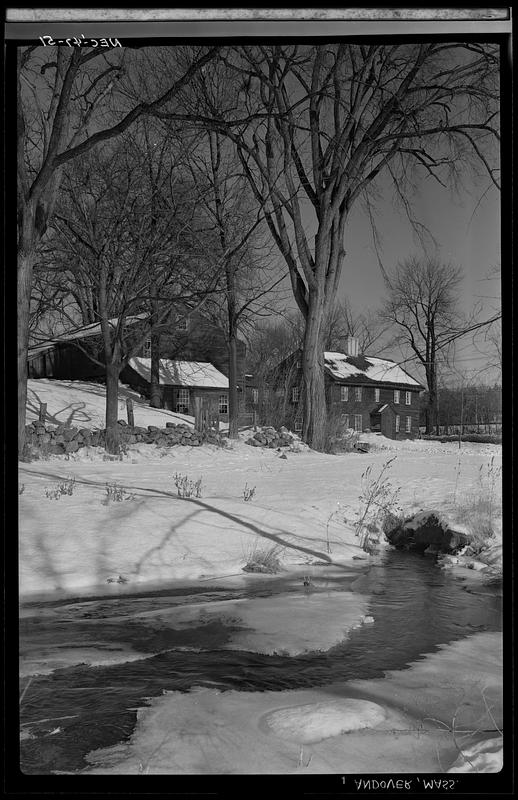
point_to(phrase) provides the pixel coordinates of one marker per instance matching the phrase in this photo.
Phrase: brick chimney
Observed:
(352, 346)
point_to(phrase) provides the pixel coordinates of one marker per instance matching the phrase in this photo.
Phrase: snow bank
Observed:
(304, 622)
(206, 731)
(485, 756)
(318, 721)
(346, 728)
(310, 621)
(460, 680)
(83, 404)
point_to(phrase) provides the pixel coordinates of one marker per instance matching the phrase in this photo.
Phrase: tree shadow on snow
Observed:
(77, 413)
(275, 535)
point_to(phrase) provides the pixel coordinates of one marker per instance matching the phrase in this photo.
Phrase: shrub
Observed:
(339, 438)
(273, 410)
(248, 493)
(67, 486)
(379, 508)
(480, 508)
(32, 452)
(28, 454)
(477, 514)
(186, 487)
(116, 493)
(64, 487)
(263, 558)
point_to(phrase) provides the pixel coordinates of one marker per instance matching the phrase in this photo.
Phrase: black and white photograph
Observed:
(263, 261)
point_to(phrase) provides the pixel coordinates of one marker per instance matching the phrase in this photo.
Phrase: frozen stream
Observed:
(76, 709)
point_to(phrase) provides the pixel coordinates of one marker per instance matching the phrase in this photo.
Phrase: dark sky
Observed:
(467, 231)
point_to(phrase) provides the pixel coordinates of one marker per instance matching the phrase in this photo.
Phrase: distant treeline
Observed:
(477, 408)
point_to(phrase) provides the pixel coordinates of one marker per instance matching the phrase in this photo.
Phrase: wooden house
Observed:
(365, 392)
(181, 382)
(194, 361)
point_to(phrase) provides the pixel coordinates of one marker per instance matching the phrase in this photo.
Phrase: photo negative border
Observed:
(139, 27)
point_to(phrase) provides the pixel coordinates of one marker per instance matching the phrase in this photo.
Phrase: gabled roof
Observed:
(367, 369)
(84, 332)
(198, 374)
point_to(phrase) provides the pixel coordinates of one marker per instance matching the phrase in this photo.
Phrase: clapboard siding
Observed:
(202, 341)
(289, 376)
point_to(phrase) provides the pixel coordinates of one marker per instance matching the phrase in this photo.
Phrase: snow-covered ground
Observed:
(399, 724)
(305, 506)
(83, 404)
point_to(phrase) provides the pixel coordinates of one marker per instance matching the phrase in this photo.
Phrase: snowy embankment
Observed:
(305, 505)
(407, 722)
(83, 404)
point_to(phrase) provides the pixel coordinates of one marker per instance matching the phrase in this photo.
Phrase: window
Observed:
(182, 401)
(147, 348)
(295, 394)
(358, 422)
(397, 423)
(408, 398)
(409, 424)
(298, 365)
(358, 393)
(396, 395)
(298, 427)
(223, 404)
(345, 420)
(255, 396)
(344, 393)
(376, 395)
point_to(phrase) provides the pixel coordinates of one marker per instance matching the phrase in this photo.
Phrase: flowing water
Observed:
(415, 605)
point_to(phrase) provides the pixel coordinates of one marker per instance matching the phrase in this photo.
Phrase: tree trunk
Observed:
(233, 397)
(431, 411)
(112, 408)
(315, 412)
(155, 396)
(24, 281)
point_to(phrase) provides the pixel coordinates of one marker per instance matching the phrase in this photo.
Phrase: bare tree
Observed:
(124, 255)
(423, 305)
(64, 98)
(316, 125)
(273, 346)
(247, 277)
(490, 346)
(365, 326)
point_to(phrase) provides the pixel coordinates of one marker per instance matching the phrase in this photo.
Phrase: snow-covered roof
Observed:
(367, 369)
(94, 329)
(200, 374)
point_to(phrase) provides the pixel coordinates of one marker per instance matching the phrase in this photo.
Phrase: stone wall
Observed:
(270, 437)
(59, 439)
